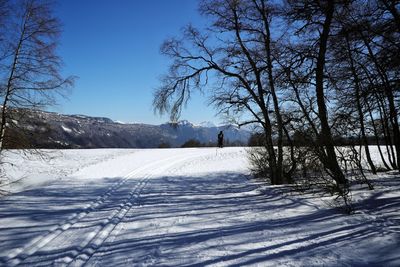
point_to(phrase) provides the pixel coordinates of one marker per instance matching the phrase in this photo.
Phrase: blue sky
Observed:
(113, 47)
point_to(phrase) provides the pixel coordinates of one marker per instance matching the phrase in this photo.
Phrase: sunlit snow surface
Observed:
(184, 207)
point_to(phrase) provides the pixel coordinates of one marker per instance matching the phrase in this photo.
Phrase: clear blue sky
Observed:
(113, 47)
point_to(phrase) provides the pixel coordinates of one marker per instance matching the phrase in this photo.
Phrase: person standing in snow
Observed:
(220, 139)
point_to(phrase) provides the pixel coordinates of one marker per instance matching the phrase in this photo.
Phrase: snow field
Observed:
(185, 207)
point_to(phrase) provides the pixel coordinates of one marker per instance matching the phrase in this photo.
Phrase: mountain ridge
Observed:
(54, 130)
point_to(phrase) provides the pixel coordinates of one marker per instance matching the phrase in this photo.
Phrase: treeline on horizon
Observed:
(298, 139)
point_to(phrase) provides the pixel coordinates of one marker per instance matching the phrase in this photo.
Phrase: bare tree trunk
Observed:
(325, 136)
(386, 132)
(381, 105)
(289, 173)
(371, 82)
(394, 121)
(275, 171)
(3, 122)
(267, 46)
(275, 179)
(359, 108)
(9, 86)
(393, 118)
(376, 136)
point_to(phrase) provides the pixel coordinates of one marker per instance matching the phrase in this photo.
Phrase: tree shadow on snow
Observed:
(220, 219)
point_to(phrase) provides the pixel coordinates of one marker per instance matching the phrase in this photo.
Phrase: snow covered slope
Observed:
(184, 207)
(53, 130)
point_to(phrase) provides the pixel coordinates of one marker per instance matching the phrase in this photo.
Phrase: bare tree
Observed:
(237, 52)
(310, 73)
(352, 89)
(30, 68)
(313, 22)
(375, 36)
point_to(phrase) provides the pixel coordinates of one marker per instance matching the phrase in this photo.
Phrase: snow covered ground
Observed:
(184, 207)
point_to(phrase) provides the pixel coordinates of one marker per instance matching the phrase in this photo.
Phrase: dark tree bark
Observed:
(358, 104)
(388, 90)
(325, 136)
(376, 135)
(386, 130)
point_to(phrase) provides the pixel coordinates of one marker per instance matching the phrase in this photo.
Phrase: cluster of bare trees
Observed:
(313, 69)
(29, 65)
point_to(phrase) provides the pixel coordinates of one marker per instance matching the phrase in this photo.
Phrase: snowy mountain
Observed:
(53, 130)
(208, 124)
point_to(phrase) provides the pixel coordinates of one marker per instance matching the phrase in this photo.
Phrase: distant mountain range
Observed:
(53, 130)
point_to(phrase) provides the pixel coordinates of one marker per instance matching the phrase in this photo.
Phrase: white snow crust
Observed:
(183, 207)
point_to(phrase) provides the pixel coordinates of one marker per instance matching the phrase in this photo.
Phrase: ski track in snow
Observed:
(191, 207)
(95, 238)
(22, 253)
(90, 248)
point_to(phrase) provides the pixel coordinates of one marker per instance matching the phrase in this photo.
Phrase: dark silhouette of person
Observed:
(220, 139)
